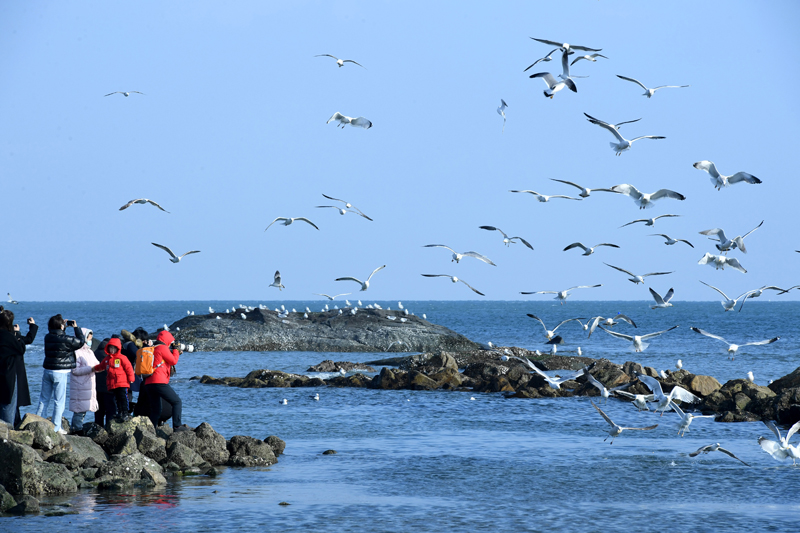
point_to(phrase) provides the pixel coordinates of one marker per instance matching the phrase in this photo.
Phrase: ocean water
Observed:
(435, 460)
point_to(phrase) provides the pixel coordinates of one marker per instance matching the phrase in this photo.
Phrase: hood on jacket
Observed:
(165, 337)
(86, 332)
(114, 342)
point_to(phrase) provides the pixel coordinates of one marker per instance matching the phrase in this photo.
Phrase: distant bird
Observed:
(615, 430)
(664, 302)
(554, 85)
(669, 240)
(283, 402)
(734, 348)
(645, 201)
(334, 296)
(141, 201)
(781, 450)
(585, 192)
(637, 279)
(343, 120)
(545, 198)
(647, 221)
(364, 284)
(686, 418)
(567, 46)
(454, 279)
(210, 309)
(663, 400)
(555, 383)
(457, 257)
(639, 400)
(604, 392)
(623, 144)
(125, 94)
(750, 377)
(650, 92)
(550, 333)
(348, 205)
(757, 292)
(720, 180)
(506, 239)
(637, 341)
(315, 397)
(716, 448)
(11, 300)
(548, 57)
(726, 244)
(563, 295)
(341, 62)
(730, 304)
(720, 262)
(679, 364)
(244, 316)
(590, 57)
(277, 283)
(343, 211)
(286, 221)
(608, 322)
(501, 111)
(174, 258)
(587, 250)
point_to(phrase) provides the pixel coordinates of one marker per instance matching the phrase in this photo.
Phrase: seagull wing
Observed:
(792, 430)
(471, 287)
(707, 334)
(629, 190)
(744, 176)
(634, 222)
(334, 199)
(274, 221)
(349, 278)
(684, 240)
(158, 206)
(618, 124)
(537, 318)
(771, 425)
(605, 416)
(730, 454)
(576, 245)
(478, 256)
(618, 335)
(718, 232)
(591, 379)
(327, 55)
(277, 277)
(657, 297)
(752, 230)
(437, 276)
(679, 393)
(337, 116)
(361, 122)
(568, 183)
(357, 63)
(165, 249)
(126, 206)
(541, 59)
(546, 76)
(357, 210)
(651, 383)
(669, 87)
(439, 246)
(626, 319)
(709, 167)
(656, 274)
(621, 269)
(565, 321)
(761, 343)
(716, 289)
(585, 286)
(492, 228)
(373, 272)
(523, 241)
(677, 409)
(773, 448)
(637, 82)
(666, 193)
(565, 197)
(596, 321)
(647, 137)
(641, 429)
(304, 219)
(735, 264)
(704, 449)
(669, 295)
(656, 334)
(187, 253)
(565, 64)
(606, 125)
(606, 244)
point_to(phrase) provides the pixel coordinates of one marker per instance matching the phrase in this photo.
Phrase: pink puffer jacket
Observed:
(82, 394)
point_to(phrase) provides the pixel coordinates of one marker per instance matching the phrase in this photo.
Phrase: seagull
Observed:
(545, 198)
(608, 322)
(585, 192)
(650, 92)
(315, 397)
(11, 300)
(555, 383)
(283, 402)
(457, 257)
(332, 297)
(604, 392)
(244, 316)
(720, 180)
(661, 302)
(124, 93)
(615, 429)
(364, 284)
(343, 120)
(647, 221)
(720, 262)
(638, 340)
(342, 211)
(501, 111)
(454, 279)
(546, 58)
(210, 309)
(669, 241)
(726, 244)
(679, 364)
(623, 144)
(750, 377)
(142, 201)
(567, 46)
(637, 279)
(729, 304)
(550, 333)
(757, 292)
(645, 201)
(277, 283)
(586, 250)
(590, 57)
(686, 418)
(506, 239)
(639, 400)
(677, 393)
(341, 62)
(286, 221)
(716, 448)
(553, 85)
(348, 205)
(174, 258)
(782, 449)
(563, 295)
(734, 348)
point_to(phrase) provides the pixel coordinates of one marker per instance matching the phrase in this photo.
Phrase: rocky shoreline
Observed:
(484, 371)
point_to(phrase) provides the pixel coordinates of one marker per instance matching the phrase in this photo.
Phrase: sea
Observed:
(457, 461)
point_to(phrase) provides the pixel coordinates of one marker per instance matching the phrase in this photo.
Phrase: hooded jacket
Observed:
(82, 391)
(59, 349)
(120, 372)
(162, 354)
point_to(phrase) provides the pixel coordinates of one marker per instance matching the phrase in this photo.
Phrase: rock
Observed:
(24, 505)
(96, 432)
(247, 451)
(703, 385)
(355, 381)
(212, 446)
(331, 366)
(21, 437)
(182, 455)
(150, 445)
(789, 381)
(329, 452)
(126, 470)
(44, 436)
(389, 379)
(7, 501)
(24, 472)
(420, 381)
(122, 435)
(84, 448)
(786, 405)
(275, 443)
(448, 378)
(187, 438)
(495, 384)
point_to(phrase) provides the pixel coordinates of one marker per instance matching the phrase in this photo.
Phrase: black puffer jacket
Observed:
(59, 349)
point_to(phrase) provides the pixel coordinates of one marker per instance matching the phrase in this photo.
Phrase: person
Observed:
(119, 378)
(105, 405)
(165, 357)
(12, 366)
(82, 393)
(59, 359)
(136, 340)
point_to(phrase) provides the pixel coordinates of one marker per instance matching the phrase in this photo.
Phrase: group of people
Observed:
(100, 373)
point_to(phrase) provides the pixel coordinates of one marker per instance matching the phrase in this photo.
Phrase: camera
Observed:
(71, 323)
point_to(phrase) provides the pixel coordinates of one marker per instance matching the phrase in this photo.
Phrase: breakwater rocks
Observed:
(737, 400)
(37, 461)
(369, 330)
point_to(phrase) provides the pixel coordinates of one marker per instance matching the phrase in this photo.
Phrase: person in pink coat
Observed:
(82, 393)
(119, 378)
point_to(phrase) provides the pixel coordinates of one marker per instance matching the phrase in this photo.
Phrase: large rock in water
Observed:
(369, 330)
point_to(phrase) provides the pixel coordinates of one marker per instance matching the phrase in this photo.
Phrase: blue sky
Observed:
(231, 133)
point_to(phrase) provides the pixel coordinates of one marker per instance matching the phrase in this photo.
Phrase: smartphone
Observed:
(71, 323)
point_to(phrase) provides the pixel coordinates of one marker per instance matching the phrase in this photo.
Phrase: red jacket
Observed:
(164, 357)
(120, 371)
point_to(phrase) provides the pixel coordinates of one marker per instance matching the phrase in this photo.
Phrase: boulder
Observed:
(334, 366)
(21, 437)
(122, 435)
(420, 381)
(276, 444)
(247, 451)
(212, 446)
(150, 445)
(182, 455)
(703, 385)
(96, 432)
(448, 378)
(789, 381)
(84, 448)
(126, 470)
(25, 504)
(24, 472)
(7, 501)
(44, 436)
(355, 381)
(389, 379)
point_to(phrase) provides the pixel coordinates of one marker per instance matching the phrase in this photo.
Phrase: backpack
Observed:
(144, 362)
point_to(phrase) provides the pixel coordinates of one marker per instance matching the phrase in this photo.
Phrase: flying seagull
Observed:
(623, 143)
(720, 262)
(649, 92)
(729, 304)
(125, 94)
(555, 383)
(457, 257)
(332, 297)
(343, 120)
(615, 429)
(637, 341)
(780, 450)
(639, 400)
(604, 392)
(341, 62)
(142, 201)
(661, 303)
(608, 322)
(454, 279)
(550, 333)
(567, 46)
(342, 210)
(11, 300)
(545, 198)
(348, 205)
(686, 418)
(647, 221)
(586, 249)
(277, 282)
(669, 240)
(501, 111)
(563, 295)
(734, 348)
(286, 221)
(720, 180)
(174, 258)
(716, 448)
(554, 85)
(677, 393)
(585, 192)
(590, 57)
(637, 279)
(506, 239)
(726, 244)
(364, 284)
(645, 201)
(546, 58)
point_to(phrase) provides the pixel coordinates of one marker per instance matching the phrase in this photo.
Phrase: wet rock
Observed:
(355, 381)
(212, 446)
(329, 452)
(182, 455)
(277, 445)
(335, 366)
(44, 436)
(786, 406)
(24, 472)
(703, 385)
(495, 384)
(123, 471)
(21, 437)
(150, 445)
(25, 504)
(96, 432)
(789, 381)
(389, 379)
(486, 370)
(247, 451)
(122, 435)
(84, 449)
(448, 378)
(420, 381)
(7, 501)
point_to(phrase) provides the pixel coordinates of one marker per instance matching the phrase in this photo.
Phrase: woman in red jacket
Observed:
(119, 378)
(157, 384)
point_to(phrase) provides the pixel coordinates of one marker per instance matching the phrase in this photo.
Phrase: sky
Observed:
(231, 134)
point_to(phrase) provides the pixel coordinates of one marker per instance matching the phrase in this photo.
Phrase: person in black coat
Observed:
(59, 359)
(13, 377)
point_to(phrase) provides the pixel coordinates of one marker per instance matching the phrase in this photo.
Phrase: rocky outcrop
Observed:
(338, 366)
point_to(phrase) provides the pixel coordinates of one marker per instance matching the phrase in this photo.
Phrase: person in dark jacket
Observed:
(157, 384)
(13, 390)
(59, 359)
